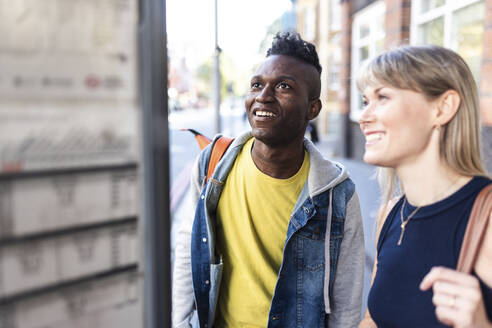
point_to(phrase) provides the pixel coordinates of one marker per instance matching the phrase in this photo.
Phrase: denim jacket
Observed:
(320, 279)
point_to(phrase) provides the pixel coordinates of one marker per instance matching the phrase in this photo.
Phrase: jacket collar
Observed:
(323, 173)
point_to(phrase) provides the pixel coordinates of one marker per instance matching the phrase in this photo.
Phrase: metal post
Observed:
(155, 164)
(217, 73)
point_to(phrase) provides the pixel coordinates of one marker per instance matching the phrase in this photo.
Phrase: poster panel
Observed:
(68, 86)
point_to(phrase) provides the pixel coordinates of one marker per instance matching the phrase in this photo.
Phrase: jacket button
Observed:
(275, 317)
(207, 282)
(306, 209)
(202, 196)
(204, 240)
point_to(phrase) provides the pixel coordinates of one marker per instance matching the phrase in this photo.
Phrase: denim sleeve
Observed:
(349, 278)
(182, 285)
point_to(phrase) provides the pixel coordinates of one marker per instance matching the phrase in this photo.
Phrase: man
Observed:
(276, 239)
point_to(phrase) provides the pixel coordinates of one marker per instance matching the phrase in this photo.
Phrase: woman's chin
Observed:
(370, 159)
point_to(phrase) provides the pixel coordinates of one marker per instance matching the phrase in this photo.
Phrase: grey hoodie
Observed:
(344, 303)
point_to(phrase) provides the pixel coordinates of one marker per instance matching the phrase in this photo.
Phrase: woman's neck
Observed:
(427, 182)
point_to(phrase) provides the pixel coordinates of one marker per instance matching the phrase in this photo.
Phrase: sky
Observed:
(242, 27)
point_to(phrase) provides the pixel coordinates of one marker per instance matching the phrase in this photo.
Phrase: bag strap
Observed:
(475, 230)
(219, 148)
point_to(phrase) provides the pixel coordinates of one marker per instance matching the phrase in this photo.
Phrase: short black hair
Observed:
(291, 44)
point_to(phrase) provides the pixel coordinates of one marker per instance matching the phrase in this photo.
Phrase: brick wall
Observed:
(486, 87)
(343, 144)
(486, 75)
(397, 28)
(346, 44)
(397, 22)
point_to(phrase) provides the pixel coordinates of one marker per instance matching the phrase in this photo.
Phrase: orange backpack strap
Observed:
(218, 150)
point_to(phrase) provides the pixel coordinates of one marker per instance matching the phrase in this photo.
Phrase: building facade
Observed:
(319, 21)
(368, 27)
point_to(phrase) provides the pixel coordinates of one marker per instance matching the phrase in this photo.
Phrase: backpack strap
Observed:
(202, 140)
(219, 148)
(475, 230)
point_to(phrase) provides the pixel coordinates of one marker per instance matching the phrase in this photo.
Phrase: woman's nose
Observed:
(366, 116)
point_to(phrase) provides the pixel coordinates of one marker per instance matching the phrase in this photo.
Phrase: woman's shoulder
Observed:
(477, 184)
(392, 202)
(481, 181)
(468, 193)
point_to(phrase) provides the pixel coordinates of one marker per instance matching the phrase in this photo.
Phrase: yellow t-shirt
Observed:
(253, 214)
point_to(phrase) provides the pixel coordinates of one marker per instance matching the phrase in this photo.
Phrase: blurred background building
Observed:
(71, 204)
(349, 32)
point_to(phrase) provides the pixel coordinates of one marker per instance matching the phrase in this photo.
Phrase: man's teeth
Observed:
(264, 114)
(374, 137)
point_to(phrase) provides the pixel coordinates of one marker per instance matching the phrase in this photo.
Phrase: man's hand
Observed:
(457, 298)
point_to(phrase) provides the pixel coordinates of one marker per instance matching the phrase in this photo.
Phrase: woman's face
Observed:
(397, 125)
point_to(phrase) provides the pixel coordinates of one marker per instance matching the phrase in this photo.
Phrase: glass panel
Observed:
(467, 35)
(432, 32)
(335, 15)
(309, 23)
(363, 31)
(379, 47)
(363, 53)
(380, 24)
(334, 77)
(426, 5)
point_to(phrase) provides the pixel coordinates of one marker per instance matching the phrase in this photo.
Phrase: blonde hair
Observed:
(432, 70)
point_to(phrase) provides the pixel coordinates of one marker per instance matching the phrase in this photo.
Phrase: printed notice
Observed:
(67, 49)
(68, 83)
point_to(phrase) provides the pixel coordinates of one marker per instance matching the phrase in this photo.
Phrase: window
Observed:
(368, 34)
(310, 23)
(335, 59)
(455, 24)
(427, 5)
(335, 15)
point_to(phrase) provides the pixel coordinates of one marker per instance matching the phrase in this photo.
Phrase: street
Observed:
(184, 148)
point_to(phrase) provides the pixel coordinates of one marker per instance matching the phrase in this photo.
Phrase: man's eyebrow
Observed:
(281, 77)
(286, 77)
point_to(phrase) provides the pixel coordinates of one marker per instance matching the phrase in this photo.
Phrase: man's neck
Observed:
(280, 162)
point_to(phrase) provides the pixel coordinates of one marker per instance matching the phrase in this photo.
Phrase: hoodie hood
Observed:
(323, 173)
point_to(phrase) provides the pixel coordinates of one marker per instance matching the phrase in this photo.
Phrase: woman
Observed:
(422, 127)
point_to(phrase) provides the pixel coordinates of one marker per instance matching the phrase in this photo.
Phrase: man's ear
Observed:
(447, 105)
(314, 108)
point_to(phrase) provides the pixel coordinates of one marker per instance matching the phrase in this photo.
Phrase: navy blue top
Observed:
(433, 237)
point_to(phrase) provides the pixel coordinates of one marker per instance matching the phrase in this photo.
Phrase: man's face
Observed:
(278, 103)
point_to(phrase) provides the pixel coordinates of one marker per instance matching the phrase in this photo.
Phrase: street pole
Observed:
(155, 164)
(217, 73)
